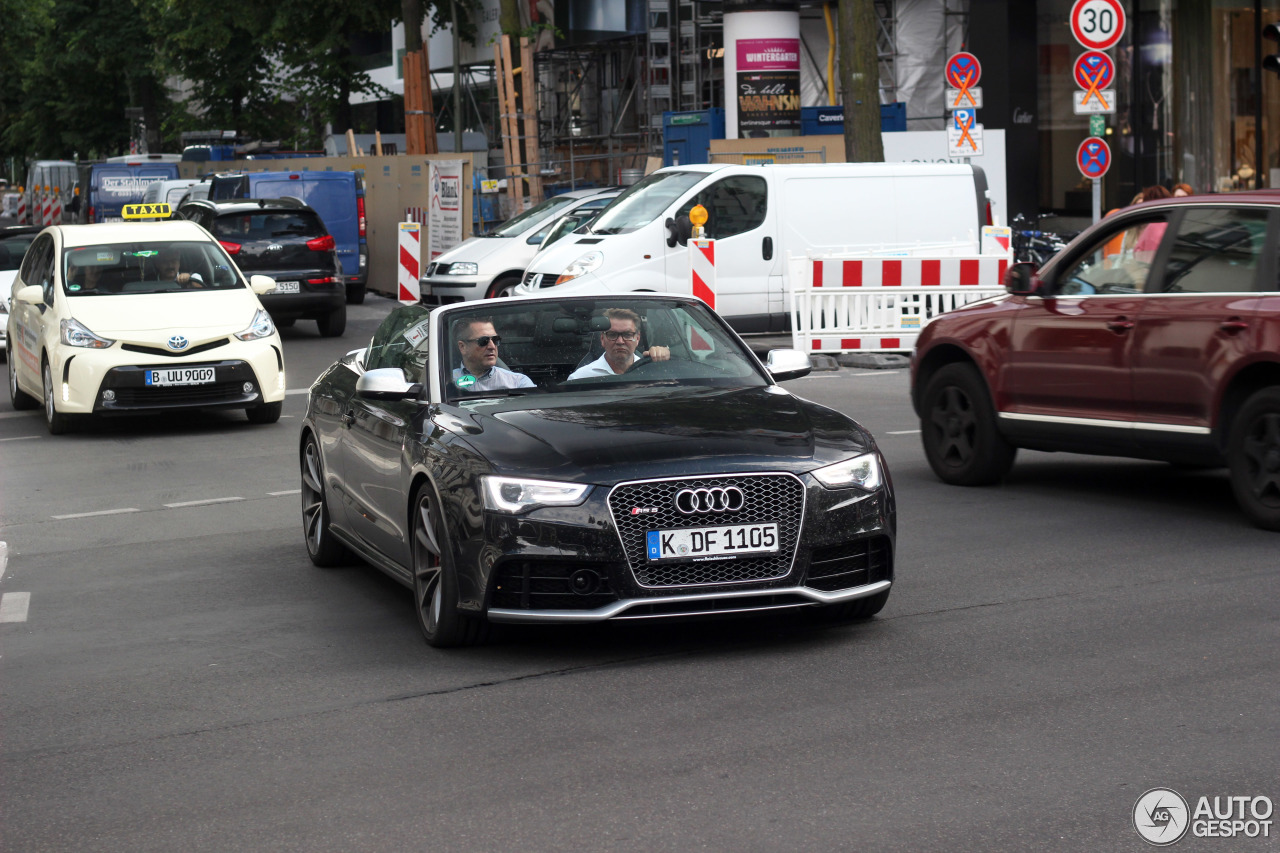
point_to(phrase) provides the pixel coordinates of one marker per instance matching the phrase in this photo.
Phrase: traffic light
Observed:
(1271, 32)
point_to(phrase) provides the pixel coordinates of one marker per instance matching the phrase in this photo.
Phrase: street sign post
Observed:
(963, 71)
(1093, 72)
(963, 98)
(1097, 24)
(964, 135)
(1093, 158)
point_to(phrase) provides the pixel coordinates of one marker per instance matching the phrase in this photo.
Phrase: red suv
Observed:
(1155, 334)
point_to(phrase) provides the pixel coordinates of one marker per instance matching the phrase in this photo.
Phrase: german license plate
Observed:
(730, 540)
(181, 376)
(287, 286)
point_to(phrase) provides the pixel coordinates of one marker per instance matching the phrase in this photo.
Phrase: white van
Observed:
(491, 264)
(758, 215)
(168, 192)
(54, 174)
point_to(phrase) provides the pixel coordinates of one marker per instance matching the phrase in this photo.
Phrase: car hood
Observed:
(610, 438)
(129, 314)
(476, 249)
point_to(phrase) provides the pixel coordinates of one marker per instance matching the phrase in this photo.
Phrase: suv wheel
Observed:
(334, 323)
(57, 422)
(1253, 455)
(958, 428)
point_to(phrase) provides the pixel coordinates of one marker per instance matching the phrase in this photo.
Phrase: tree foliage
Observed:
(275, 71)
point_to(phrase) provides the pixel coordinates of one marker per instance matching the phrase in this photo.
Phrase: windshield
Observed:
(645, 202)
(579, 345)
(516, 225)
(166, 267)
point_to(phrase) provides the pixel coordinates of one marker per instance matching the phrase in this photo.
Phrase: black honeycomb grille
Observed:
(776, 498)
(850, 564)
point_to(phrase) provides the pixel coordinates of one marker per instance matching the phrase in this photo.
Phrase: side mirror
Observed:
(784, 364)
(261, 284)
(32, 294)
(1021, 280)
(679, 230)
(386, 383)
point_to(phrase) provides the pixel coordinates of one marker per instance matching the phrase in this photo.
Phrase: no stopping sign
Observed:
(1093, 157)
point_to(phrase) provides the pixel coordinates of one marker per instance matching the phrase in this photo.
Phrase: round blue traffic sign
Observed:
(1093, 157)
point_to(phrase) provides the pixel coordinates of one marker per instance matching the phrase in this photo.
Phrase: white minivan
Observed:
(758, 215)
(491, 264)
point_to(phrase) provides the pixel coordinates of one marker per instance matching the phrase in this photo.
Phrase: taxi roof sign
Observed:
(147, 211)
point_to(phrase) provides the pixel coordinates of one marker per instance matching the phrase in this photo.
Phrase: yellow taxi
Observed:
(138, 317)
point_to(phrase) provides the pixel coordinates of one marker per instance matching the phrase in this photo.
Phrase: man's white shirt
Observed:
(599, 367)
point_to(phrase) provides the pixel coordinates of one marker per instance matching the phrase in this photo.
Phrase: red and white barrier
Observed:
(880, 304)
(702, 268)
(55, 218)
(22, 207)
(410, 263)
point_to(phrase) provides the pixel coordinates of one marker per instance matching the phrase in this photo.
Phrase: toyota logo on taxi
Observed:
(718, 499)
(177, 342)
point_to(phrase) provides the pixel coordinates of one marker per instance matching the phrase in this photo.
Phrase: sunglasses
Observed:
(483, 340)
(626, 336)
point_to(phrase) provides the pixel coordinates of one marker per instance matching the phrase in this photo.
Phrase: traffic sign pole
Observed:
(1097, 199)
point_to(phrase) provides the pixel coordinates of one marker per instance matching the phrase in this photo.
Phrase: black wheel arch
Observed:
(934, 360)
(1247, 382)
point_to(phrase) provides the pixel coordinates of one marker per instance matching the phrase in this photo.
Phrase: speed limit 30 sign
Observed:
(1097, 24)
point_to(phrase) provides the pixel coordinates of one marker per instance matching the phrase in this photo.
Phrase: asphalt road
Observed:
(182, 678)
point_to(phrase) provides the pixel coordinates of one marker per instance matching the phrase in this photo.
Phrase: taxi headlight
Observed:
(464, 268)
(582, 266)
(74, 334)
(861, 472)
(261, 327)
(507, 494)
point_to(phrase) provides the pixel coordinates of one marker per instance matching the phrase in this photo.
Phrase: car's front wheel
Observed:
(20, 399)
(322, 547)
(435, 585)
(958, 428)
(504, 287)
(57, 422)
(334, 323)
(264, 413)
(1253, 455)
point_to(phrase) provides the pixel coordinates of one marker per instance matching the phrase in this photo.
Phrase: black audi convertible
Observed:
(590, 458)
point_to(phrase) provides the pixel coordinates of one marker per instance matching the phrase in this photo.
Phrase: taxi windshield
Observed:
(157, 267)
(588, 346)
(645, 202)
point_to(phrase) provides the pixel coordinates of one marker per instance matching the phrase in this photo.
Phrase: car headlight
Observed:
(861, 472)
(507, 494)
(74, 334)
(582, 266)
(261, 327)
(463, 268)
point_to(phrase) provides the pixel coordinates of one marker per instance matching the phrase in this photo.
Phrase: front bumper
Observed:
(568, 565)
(84, 376)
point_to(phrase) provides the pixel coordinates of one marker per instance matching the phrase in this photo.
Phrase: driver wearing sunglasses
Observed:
(620, 343)
(478, 343)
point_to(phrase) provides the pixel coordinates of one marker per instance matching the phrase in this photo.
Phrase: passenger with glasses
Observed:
(620, 343)
(478, 344)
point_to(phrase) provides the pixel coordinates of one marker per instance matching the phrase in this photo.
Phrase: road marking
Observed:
(119, 511)
(203, 502)
(4, 558)
(903, 432)
(13, 606)
(286, 492)
(294, 391)
(878, 373)
(19, 438)
(7, 415)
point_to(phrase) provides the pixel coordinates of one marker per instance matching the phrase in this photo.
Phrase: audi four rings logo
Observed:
(177, 342)
(726, 499)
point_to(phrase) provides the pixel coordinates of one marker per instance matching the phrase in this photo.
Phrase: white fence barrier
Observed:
(868, 304)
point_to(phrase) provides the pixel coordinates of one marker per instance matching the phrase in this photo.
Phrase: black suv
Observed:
(285, 239)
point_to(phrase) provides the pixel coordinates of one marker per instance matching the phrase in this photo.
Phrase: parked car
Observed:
(491, 264)
(14, 241)
(687, 486)
(572, 221)
(139, 317)
(337, 196)
(1154, 334)
(285, 239)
